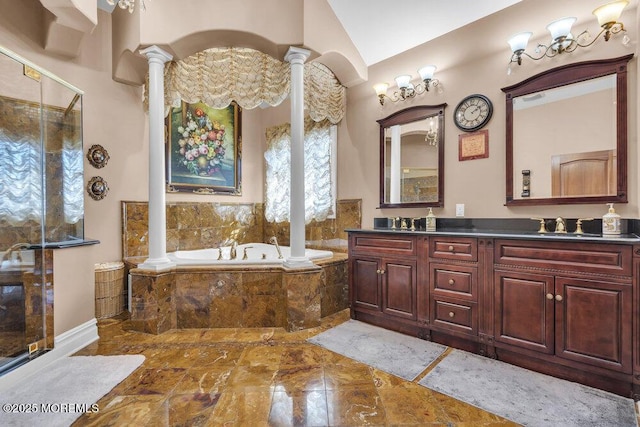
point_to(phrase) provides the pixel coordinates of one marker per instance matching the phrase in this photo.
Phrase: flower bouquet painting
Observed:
(203, 149)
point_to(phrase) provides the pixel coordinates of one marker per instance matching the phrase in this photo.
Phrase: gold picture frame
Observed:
(204, 149)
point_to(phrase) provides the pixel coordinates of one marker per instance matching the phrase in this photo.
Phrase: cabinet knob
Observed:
(549, 296)
(451, 314)
(378, 271)
(558, 297)
(450, 248)
(452, 282)
(381, 271)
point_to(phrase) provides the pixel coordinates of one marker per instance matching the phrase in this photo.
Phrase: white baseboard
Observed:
(64, 344)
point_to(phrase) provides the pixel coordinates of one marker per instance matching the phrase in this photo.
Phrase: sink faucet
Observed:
(274, 241)
(561, 225)
(16, 247)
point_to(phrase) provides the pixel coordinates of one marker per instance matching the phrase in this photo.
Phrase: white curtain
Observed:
(218, 76)
(20, 179)
(319, 197)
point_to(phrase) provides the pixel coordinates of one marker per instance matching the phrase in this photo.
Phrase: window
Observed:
(320, 139)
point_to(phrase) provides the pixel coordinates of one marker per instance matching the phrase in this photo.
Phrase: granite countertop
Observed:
(508, 234)
(511, 228)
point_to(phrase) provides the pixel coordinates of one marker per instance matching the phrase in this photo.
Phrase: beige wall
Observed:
(479, 184)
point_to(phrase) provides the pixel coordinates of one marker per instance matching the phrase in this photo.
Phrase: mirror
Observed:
(566, 135)
(412, 157)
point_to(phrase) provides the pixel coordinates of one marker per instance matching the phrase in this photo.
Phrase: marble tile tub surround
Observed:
(198, 225)
(514, 225)
(238, 296)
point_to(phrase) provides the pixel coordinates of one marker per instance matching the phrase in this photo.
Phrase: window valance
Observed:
(218, 76)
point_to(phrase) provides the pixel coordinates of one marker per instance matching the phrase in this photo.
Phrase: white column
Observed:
(296, 57)
(157, 210)
(395, 175)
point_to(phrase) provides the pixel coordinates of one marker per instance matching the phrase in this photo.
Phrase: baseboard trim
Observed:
(64, 344)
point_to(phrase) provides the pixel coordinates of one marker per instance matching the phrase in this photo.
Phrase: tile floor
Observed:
(261, 377)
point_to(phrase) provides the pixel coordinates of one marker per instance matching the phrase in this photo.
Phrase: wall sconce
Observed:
(563, 41)
(406, 89)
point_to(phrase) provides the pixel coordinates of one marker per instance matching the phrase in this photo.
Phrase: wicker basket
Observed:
(109, 289)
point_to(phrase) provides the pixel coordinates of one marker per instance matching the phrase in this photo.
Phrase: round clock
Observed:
(472, 113)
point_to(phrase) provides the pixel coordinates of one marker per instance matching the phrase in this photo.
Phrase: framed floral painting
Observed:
(204, 147)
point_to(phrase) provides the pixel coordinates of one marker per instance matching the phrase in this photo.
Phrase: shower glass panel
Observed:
(41, 200)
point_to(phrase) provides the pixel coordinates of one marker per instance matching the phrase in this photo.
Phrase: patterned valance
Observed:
(218, 76)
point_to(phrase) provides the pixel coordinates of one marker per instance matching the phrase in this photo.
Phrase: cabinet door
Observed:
(365, 283)
(593, 322)
(399, 288)
(524, 304)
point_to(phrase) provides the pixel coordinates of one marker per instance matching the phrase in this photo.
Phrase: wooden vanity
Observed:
(567, 306)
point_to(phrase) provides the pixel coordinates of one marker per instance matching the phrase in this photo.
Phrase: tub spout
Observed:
(17, 247)
(234, 250)
(274, 241)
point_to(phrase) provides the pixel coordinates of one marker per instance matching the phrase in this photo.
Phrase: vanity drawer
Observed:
(454, 280)
(458, 248)
(383, 244)
(455, 315)
(566, 256)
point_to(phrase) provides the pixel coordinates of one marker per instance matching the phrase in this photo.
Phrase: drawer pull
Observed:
(451, 314)
(549, 296)
(558, 297)
(452, 282)
(450, 248)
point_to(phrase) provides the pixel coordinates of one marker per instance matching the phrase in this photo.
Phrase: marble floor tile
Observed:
(261, 377)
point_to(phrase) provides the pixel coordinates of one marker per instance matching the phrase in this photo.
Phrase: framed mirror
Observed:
(412, 157)
(566, 135)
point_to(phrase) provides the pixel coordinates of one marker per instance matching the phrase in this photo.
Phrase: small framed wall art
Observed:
(473, 145)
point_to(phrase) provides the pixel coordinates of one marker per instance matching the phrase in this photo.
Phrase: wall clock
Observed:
(472, 113)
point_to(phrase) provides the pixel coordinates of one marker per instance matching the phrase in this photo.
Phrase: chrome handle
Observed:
(452, 282)
(451, 314)
(558, 297)
(549, 296)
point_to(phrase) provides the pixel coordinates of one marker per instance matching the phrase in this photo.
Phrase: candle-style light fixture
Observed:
(563, 41)
(406, 89)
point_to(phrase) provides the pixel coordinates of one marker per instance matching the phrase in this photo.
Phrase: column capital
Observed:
(297, 54)
(154, 52)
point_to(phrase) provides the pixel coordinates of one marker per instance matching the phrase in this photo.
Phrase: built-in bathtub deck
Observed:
(232, 296)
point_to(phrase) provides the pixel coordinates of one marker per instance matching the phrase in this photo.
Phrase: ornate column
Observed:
(157, 211)
(296, 57)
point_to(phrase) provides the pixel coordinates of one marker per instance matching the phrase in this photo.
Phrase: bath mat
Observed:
(392, 352)
(61, 392)
(527, 397)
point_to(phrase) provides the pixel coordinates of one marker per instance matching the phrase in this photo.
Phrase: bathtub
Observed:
(257, 253)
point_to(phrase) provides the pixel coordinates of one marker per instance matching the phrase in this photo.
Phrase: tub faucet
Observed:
(16, 247)
(234, 252)
(274, 241)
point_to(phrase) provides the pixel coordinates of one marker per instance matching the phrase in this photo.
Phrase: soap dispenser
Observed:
(430, 221)
(611, 222)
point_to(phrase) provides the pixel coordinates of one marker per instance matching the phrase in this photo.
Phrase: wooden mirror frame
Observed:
(405, 116)
(562, 76)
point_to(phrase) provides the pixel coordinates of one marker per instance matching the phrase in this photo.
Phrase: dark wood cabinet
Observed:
(566, 308)
(453, 284)
(383, 276)
(399, 288)
(365, 289)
